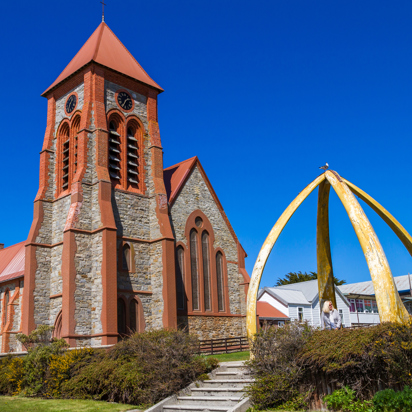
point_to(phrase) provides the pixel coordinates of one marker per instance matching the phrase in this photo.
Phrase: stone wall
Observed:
(213, 327)
(42, 287)
(88, 293)
(196, 195)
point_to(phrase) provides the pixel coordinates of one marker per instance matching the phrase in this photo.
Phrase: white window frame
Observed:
(300, 311)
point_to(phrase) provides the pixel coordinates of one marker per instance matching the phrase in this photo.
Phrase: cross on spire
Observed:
(103, 4)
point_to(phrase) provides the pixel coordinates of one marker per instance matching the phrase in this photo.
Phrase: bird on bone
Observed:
(326, 167)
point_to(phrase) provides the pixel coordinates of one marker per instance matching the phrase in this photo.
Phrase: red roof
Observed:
(266, 310)
(175, 177)
(12, 262)
(105, 48)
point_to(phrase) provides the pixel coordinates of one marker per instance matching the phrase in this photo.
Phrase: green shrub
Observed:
(344, 400)
(141, 370)
(278, 375)
(390, 401)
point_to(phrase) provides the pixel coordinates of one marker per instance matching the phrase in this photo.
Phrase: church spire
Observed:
(104, 48)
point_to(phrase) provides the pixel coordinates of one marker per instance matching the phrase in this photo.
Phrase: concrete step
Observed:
(223, 391)
(209, 400)
(195, 408)
(228, 375)
(231, 383)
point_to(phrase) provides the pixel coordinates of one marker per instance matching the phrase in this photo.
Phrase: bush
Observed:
(363, 359)
(390, 401)
(344, 400)
(278, 375)
(141, 370)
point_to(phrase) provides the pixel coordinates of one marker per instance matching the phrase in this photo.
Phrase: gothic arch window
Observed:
(121, 317)
(194, 268)
(201, 273)
(64, 139)
(6, 307)
(126, 258)
(57, 332)
(134, 316)
(180, 276)
(206, 270)
(115, 149)
(220, 282)
(74, 130)
(133, 158)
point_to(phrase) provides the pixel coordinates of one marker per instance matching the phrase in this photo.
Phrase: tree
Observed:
(296, 277)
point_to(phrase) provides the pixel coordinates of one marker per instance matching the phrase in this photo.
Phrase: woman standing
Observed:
(330, 316)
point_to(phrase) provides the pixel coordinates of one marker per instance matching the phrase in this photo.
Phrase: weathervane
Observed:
(103, 4)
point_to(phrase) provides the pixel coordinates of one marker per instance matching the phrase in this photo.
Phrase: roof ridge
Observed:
(183, 161)
(131, 55)
(99, 40)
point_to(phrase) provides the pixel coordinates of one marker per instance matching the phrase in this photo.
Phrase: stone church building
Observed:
(118, 244)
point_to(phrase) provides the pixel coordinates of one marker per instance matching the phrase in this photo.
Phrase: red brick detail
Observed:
(154, 133)
(169, 284)
(8, 323)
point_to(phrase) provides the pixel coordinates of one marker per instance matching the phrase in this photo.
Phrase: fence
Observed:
(225, 345)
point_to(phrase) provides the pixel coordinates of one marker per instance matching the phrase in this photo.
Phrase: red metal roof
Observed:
(175, 176)
(266, 310)
(12, 262)
(105, 48)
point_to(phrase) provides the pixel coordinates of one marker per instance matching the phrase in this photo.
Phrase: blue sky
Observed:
(262, 92)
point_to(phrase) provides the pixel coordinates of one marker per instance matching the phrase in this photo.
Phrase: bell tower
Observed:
(101, 248)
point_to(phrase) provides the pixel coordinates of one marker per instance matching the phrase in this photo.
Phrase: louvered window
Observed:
(219, 274)
(65, 139)
(132, 158)
(194, 270)
(206, 270)
(114, 153)
(74, 133)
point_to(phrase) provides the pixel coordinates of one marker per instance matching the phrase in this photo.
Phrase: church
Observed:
(118, 244)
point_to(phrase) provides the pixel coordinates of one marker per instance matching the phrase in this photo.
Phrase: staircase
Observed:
(224, 392)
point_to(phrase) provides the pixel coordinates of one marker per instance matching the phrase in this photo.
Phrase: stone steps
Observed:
(224, 392)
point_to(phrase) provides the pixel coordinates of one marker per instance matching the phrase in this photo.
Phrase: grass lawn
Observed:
(228, 357)
(17, 404)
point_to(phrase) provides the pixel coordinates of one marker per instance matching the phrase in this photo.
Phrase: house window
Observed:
(194, 269)
(219, 274)
(134, 316)
(374, 306)
(121, 317)
(341, 315)
(352, 305)
(126, 258)
(206, 270)
(359, 305)
(281, 323)
(368, 306)
(300, 314)
(180, 275)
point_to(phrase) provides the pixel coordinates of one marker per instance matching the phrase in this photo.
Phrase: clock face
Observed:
(124, 100)
(71, 103)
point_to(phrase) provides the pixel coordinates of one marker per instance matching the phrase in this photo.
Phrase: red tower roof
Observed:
(105, 48)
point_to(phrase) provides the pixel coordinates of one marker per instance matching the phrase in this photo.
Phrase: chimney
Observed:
(1, 246)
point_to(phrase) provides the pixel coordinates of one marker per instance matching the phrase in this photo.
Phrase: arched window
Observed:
(115, 151)
(65, 150)
(126, 262)
(57, 332)
(121, 317)
(73, 136)
(219, 275)
(194, 268)
(134, 316)
(206, 270)
(180, 275)
(132, 155)
(6, 307)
